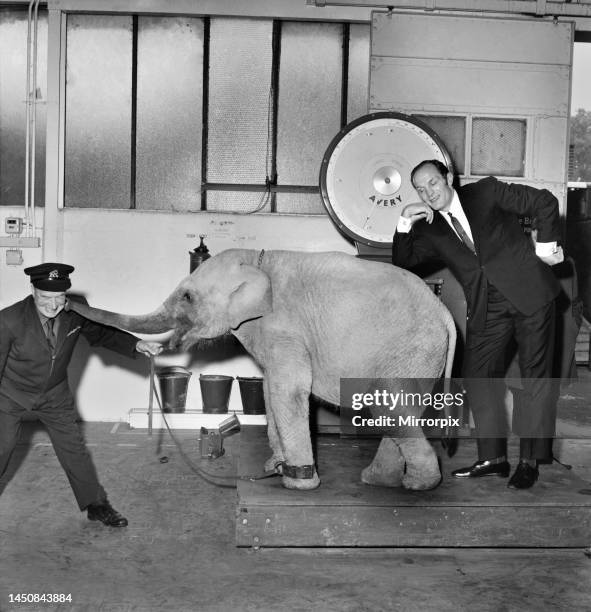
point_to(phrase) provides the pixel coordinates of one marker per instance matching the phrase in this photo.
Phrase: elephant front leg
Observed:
(288, 404)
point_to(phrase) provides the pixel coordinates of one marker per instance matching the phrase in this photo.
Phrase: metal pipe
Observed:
(28, 112)
(34, 120)
(151, 398)
(540, 8)
(31, 117)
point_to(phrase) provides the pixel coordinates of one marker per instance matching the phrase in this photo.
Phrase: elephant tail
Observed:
(451, 349)
(449, 440)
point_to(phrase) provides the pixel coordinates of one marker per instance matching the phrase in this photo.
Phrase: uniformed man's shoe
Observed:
(484, 468)
(525, 476)
(106, 514)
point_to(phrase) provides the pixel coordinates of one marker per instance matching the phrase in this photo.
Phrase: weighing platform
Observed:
(344, 512)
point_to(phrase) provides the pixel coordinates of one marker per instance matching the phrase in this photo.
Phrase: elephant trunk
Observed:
(156, 322)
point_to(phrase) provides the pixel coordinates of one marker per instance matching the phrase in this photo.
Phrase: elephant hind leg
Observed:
(387, 467)
(422, 468)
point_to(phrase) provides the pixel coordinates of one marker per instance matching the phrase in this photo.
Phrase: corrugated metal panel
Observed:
(98, 73)
(498, 147)
(238, 127)
(239, 201)
(168, 171)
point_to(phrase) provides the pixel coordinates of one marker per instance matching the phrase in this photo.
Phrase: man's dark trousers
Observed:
(60, 418)
(533, 418)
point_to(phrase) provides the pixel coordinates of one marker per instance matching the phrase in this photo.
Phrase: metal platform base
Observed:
(343, 512)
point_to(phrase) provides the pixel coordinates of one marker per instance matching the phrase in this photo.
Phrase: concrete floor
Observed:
(178, 553)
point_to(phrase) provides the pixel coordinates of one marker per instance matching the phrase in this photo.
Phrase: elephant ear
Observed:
(252, 297)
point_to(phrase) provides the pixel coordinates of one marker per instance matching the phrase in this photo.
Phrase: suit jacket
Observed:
(505, 255)
(28, 372)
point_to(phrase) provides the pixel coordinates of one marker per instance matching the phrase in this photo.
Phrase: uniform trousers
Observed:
(60, 419)
(484, 368)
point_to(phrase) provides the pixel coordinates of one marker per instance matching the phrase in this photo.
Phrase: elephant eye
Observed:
(187, 296)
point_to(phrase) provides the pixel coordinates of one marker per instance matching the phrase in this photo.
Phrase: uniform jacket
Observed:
(28, 372)
(505, 255)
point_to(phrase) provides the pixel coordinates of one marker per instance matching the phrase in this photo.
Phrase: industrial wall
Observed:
(130, 260)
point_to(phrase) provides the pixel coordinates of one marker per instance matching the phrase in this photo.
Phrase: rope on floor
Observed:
(218, 481)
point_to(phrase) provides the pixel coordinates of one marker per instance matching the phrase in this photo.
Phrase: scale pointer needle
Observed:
(369, 214)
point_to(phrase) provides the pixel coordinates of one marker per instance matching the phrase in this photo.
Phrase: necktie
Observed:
(51, 339)
(462, 233)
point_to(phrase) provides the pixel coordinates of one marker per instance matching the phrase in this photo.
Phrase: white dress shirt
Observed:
(546, 251)
(455, 209)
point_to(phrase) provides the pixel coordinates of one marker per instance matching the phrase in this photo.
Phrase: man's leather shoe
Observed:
(484, 468)
(525, 476)
(106, 514)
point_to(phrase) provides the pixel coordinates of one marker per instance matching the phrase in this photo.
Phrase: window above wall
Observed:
(452, 132)
(189, 114)
(498, 146)
(13, 86)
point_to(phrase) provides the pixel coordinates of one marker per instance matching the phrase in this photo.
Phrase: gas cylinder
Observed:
(199, 254)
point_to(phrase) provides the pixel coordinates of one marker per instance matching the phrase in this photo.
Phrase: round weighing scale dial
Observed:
(365, 173)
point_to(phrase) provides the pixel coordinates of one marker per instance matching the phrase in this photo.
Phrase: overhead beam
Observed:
(540, 8)
(270, 9)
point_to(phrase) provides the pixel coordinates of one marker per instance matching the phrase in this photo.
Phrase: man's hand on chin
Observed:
(417, 211)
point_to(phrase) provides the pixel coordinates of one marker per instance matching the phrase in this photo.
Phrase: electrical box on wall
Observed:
(13, 225)
(14, 257)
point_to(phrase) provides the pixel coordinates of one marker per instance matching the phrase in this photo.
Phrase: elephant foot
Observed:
(272, 463)
(422, 468)
(387, 467)
(275, 464)
(301, 484)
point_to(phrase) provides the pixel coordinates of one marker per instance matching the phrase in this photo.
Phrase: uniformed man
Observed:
(37, 338)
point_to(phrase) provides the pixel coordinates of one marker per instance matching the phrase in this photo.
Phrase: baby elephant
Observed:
(309, 320)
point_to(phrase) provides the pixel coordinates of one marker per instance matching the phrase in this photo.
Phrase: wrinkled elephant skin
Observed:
(310, 319)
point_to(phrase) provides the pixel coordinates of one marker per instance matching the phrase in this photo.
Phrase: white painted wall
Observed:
(129, 261)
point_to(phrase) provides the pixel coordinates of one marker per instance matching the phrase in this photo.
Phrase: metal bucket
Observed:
(174, 382)
(215, 392)
(251, 392)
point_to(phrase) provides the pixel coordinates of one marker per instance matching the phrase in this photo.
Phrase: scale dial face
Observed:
(365, 173)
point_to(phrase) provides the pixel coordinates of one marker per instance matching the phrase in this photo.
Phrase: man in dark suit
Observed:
(37, 337)
(510, 291)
